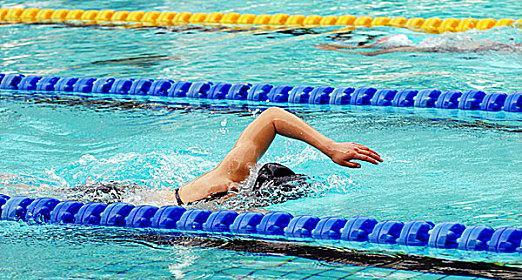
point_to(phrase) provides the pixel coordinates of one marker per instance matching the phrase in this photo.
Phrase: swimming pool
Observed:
(456, 167)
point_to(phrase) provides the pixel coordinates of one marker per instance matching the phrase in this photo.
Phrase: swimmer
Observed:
(401, 43)
(251, 146)
(224, 181)
(144, 60)
(274, 183)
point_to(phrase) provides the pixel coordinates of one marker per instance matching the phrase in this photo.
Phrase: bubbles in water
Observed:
(187, 259)
(154, 169)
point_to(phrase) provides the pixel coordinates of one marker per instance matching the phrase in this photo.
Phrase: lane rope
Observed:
(426, 98)
(165, 19)
(446, 235)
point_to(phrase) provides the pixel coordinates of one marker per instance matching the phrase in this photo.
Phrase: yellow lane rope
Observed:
(165, 19)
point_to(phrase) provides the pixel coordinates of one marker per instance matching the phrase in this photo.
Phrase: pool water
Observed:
(87, 254)
(439, 166)
(458, 169)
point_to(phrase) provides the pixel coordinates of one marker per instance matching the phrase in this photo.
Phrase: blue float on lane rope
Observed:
(446, 235)
(427, 98)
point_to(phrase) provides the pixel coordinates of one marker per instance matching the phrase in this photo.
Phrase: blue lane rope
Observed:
(447, 235)
(427, 98)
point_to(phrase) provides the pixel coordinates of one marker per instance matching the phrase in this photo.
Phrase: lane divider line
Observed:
(446, 235)
(362, 96)
(164, 19)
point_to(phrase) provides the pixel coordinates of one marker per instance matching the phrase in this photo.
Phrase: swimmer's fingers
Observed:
(367, 151)
(370, 153)
(362, 147)
(366, 158)
(350, 164)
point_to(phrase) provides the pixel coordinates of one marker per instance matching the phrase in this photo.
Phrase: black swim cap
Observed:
(277, 183)
(272, 171)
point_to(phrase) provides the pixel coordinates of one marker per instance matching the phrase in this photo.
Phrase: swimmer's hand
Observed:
(344, 153)
(328, 47)
(336, 47)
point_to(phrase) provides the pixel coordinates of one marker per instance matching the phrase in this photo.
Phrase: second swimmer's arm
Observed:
(338, 47)
(256, 139)
(400, 49)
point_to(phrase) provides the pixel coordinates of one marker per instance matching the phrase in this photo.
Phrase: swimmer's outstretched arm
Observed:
(337, 47)
(345, 49)
(252, 145)
(398, 49)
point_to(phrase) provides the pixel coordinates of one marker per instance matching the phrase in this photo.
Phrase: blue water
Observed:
(439, 166)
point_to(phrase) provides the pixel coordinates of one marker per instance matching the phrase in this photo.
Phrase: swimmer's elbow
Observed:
(274, 111)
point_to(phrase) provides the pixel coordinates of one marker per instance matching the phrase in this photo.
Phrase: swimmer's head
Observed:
(394, 41)
(272, 171)
(277, 183)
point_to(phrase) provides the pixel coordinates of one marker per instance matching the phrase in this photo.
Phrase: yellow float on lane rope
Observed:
(157, 18)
